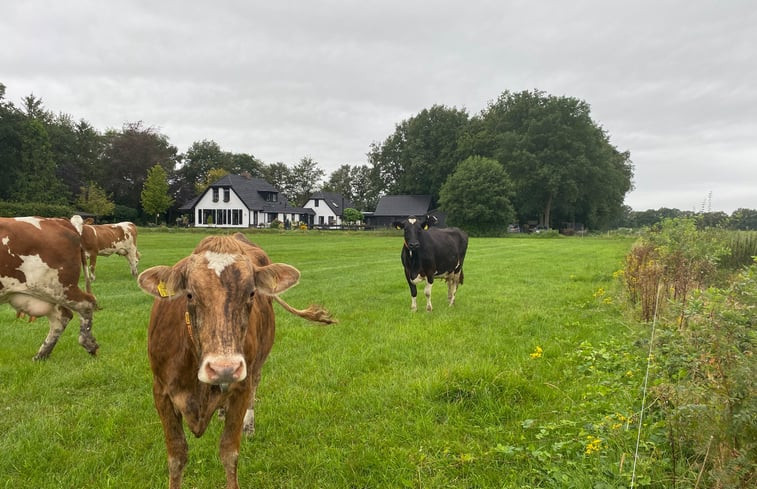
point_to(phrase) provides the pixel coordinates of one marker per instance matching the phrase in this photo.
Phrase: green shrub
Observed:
(20, 209)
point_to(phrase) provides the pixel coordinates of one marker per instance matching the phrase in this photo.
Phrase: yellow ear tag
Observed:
(187, 318)
(162, 289)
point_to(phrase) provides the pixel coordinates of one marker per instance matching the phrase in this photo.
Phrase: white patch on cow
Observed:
(6, 240)
(412, 220)
(34, 221)
(218, 261)
(78, 222)
(40, 280)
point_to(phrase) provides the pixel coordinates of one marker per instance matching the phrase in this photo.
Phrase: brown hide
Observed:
(105, 240)
(40, 264)
(201, 303)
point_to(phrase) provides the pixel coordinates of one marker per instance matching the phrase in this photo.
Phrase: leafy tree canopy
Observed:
(421, 153)
(559, 159)
(476, 197)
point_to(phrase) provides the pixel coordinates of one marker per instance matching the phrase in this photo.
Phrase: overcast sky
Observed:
(672, 82)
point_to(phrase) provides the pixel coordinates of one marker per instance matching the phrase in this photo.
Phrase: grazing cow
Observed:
(211, 329)
(40, 264)
(430, 253)
(105, 240)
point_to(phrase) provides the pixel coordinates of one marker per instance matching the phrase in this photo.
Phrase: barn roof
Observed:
(403, 205)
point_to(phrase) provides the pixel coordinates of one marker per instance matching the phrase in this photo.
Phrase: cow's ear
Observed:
(397, 224)
(163, 281)
(275, 278)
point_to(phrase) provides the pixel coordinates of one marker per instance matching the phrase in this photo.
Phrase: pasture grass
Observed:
(506, 389)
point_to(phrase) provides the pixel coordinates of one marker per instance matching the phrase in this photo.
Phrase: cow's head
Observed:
(413, 227)
(218, 283)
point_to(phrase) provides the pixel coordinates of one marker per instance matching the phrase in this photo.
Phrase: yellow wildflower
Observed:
(592, 445)
(537, 352)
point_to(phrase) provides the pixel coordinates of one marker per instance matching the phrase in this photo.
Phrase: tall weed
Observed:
(742, 248)
(703, 361)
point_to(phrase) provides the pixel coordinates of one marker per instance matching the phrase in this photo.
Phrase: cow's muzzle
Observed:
(222, 369)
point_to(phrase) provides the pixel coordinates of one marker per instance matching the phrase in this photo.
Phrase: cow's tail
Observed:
(313, 313)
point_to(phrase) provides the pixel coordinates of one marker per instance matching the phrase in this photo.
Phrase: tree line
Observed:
(528, 157)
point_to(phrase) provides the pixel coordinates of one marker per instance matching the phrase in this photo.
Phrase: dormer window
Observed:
(271, 197)
(226, 194)
(215, 194)
(316, 202)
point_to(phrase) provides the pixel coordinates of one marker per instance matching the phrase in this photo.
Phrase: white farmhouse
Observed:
(328, 208)
(237, 201)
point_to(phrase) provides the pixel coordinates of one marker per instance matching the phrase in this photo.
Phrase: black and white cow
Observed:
(430, 253)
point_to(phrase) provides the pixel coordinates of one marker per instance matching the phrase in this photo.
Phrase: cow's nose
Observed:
(414, 245)
(223, 370)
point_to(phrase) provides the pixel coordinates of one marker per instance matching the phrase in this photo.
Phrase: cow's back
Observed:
(31, 242)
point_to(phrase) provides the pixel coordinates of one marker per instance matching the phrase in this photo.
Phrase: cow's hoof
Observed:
(41, 357)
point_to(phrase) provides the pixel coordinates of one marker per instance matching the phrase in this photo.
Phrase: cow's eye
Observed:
(189, 296)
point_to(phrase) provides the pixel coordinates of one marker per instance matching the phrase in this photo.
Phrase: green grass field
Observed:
(510, 388)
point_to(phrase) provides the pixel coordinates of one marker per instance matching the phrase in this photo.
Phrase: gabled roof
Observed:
(252, 193)
(336, 202)
(403, 205)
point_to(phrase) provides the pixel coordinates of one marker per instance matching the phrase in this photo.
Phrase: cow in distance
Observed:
(429, 253)
(40, 266)
(105, 240)
(211, 329)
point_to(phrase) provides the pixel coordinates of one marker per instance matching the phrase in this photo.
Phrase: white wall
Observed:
(235, 203)
(323, 211)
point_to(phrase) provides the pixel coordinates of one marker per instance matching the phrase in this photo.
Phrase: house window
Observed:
(236, 217)
(226, 194)
(271, 197)
(316, 202)
(215, 194)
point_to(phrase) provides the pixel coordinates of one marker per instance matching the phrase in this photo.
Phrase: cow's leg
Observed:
(133, 261)
(58, 318)
(427, 291)
(249, 417)
(176, 443)
(231, 438)
(92, 263)
(86, 339)
(413, 295)
(452, 282)
(85, 269)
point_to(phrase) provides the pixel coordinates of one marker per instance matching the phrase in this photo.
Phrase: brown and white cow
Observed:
(211, 328)
(40, 264)
(105, 240)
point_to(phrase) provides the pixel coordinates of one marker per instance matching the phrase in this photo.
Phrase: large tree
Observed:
(421, 153)
(11, 120)
(34, 176)
(305, 178)
(128, 155)
(476, 197)
(560, 160)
